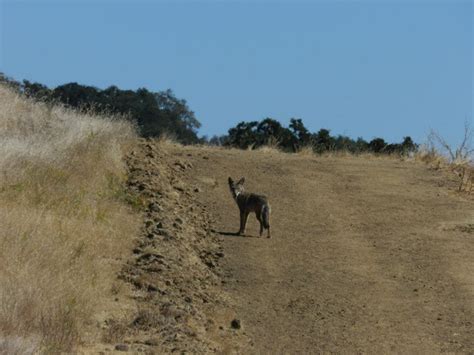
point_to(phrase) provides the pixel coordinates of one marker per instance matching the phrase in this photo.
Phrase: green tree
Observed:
(408, 145)
(270, 131)
(323, 141)
(243, 135)
(377, 145)
(300, 132)
(361, 145)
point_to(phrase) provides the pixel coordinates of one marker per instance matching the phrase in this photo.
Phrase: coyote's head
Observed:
(236, 188)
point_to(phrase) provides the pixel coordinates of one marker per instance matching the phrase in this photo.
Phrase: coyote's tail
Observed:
(266, 215)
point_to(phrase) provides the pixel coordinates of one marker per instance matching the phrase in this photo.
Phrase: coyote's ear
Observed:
(241, 181)
(230, 181)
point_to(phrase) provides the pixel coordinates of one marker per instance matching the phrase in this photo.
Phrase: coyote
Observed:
(249, 202)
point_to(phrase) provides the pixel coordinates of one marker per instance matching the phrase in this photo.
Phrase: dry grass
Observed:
(272, 146)
(463, 169)
(63, 218)
(306, 150)
(168, 140)
(270, 150)
(432, 157)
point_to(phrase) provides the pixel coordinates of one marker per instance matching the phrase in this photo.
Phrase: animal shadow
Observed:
(234, 234)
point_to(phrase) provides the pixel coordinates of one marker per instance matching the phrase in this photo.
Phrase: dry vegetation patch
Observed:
(63, 220)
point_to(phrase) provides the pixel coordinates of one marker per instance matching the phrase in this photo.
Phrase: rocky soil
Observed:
(174, 270)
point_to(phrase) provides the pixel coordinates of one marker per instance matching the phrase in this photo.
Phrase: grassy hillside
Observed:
(369, 253)
(63, 220)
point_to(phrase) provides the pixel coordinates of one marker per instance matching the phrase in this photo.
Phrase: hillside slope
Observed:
(367, 255)
(64, 222)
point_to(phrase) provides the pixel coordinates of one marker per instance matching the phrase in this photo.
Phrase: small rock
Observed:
(121, 347)
(152, 288)
(209, 263)
(197, 189)
(154, 207)
(180, 164)
(164, 232)
(179, 188)
(235, 324)
(152, 342)
(188, 299)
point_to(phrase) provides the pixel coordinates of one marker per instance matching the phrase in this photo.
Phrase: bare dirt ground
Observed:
(367, 255)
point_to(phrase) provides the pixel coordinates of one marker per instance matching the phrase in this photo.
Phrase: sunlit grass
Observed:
(64, 215)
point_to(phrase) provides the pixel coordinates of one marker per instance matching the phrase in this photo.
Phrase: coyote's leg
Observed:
(243, 222)
(259, 218)
(268, 235)
(246, 216)
(241, 229)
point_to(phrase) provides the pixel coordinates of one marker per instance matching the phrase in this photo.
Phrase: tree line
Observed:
(156, 113)
(296, 136)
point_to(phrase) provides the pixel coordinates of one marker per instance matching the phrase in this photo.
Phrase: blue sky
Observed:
(360, 68)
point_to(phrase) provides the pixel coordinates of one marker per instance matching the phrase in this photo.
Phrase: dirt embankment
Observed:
(173, 273)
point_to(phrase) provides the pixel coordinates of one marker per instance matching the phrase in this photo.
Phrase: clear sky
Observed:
(360, 68)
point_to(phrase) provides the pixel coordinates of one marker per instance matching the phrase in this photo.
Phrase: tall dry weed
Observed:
(63, 220)
(167, 139)
(306, 150)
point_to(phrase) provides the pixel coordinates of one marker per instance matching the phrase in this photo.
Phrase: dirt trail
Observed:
(367, 255)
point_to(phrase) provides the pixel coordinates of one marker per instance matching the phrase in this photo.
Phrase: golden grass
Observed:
(63, 219)
(269, 150)
(463, 170)
(431, 157)
(306, 150)
(168, 140)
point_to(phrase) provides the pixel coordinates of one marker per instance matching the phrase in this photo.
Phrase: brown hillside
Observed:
(367, 255)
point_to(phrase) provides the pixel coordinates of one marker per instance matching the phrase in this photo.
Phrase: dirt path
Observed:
(367, 255)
